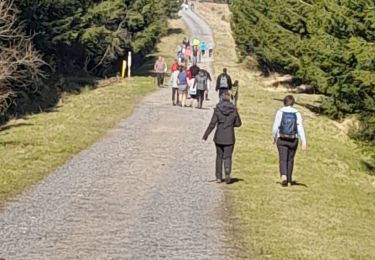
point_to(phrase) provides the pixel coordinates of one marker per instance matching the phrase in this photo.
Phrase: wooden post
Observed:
(129, 63)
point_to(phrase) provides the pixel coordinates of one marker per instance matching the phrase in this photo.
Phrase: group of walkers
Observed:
(193, 83)
(193, 52)
(286, 130)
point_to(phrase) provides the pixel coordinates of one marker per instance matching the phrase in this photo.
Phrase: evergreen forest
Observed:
(328, 44)
(44, 42)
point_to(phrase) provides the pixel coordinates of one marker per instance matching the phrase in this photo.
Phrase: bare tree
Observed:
(20, 63)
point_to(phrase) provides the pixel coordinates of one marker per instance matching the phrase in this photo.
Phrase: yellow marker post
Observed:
(123, 69)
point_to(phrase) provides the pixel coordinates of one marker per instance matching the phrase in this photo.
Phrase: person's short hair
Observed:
(225, 96)
(225, 70)
(235, 82)
(289, 100)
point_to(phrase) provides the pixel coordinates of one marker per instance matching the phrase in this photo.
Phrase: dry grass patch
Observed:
(331, 214)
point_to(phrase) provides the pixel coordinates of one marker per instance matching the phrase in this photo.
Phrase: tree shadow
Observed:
(317, 109)
(7, 127)
(235, 180)
(370, 167)
(295, 183)
(172, 31)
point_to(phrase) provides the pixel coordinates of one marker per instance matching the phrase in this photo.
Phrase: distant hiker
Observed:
(193, 92)
(187, 54)
(196, 42)
(175, 66)
(203, 48)
(225, 118)
(234, 93)
(209, 80)
(210, 50)
(186, 42)
(173, 83)
(194, 69)
(223, 83)
(287, 127)
(201, 83)
(182, 82)
(160, 68)
(195, 52)
(192, 6)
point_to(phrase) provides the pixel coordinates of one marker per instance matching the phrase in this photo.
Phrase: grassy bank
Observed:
(31, 148)
(331, 213)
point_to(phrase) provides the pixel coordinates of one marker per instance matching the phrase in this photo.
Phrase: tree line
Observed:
(328, 44)
(44, 41)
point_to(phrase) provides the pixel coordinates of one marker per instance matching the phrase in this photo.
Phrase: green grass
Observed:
(31, 148)
(331, 215)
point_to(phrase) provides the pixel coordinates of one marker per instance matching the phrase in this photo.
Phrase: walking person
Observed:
(160, 68)
(225, 118)
(182, 82)
(287, 127)
(201, 82)
(194, 58)
(175, 65)
(203, 49)
(209, 80)
(234, 93)
(223, 83)
(174, 86)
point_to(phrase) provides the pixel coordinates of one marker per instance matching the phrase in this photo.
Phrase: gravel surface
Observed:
(145, 191)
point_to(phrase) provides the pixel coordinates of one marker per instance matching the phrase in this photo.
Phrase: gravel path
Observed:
(145, 191)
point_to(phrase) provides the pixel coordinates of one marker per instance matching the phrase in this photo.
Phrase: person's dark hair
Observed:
(289, 100)
(225, 70)
(181, 68)
(235, 82)
(225, 96)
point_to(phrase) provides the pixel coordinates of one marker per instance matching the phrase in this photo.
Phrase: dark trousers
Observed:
(223, 155)
(222, 91)
(200, 97)
(175, 95)
(160, 79)
(287, 151)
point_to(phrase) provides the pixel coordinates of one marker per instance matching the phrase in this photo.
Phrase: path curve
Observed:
(145, 191)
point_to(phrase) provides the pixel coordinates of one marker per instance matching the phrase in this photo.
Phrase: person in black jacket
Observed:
(223, 83)
(225, 118)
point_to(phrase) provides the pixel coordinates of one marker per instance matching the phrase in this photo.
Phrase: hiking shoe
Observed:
(227, 178)
(218, 180)
(284, 181)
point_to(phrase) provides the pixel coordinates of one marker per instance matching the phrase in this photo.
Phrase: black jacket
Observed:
(225, 118)
(229, 80)
(194, 70)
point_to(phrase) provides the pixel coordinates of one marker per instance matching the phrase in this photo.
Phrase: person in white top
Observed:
(287, 128)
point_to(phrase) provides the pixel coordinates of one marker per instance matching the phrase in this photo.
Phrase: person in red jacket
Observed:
(174, 66)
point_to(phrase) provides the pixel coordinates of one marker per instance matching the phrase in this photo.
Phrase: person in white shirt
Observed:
(287, 128)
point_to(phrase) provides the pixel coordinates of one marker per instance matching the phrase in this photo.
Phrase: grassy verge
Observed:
(331, 214)
(33, 147)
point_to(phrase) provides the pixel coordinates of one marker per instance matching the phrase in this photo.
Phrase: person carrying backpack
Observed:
(225, 118)
(223, 83)
(201, 82)
(287, 127)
